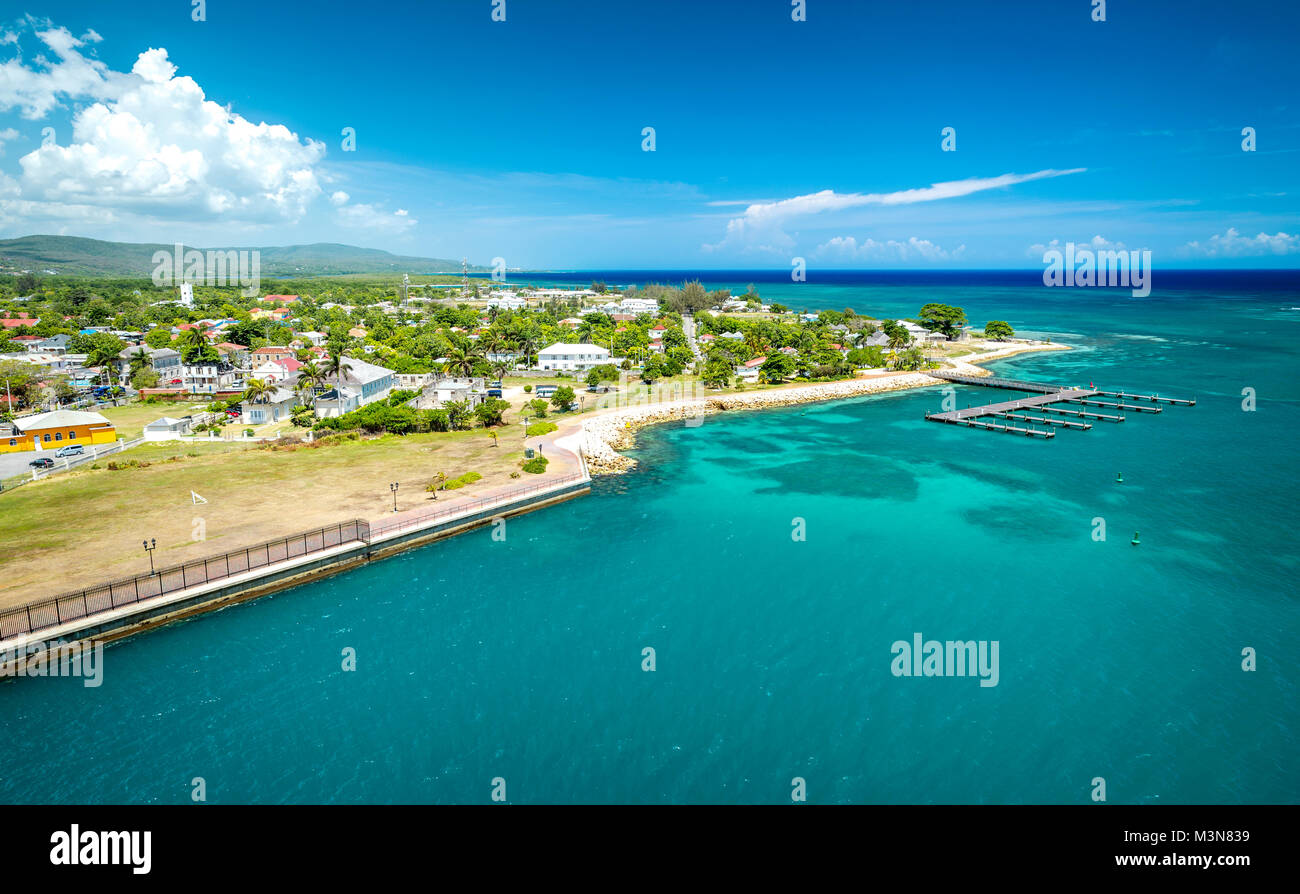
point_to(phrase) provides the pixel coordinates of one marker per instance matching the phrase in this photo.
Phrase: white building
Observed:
(572, 358)
(506, 301)
(639, 306)
(364, 383)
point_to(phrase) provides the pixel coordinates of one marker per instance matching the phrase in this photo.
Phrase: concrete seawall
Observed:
(147, 614)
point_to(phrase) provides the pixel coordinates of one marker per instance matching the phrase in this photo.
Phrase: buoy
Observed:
(1135, 540)
(1119, 478)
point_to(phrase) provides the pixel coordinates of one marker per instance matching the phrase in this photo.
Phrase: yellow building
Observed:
(50, 431)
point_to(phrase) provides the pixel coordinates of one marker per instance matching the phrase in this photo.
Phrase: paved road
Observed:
(19, 463)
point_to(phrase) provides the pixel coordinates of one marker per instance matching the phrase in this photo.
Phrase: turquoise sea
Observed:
(523, 659)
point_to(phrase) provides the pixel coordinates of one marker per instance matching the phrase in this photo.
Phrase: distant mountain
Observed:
(76, 256)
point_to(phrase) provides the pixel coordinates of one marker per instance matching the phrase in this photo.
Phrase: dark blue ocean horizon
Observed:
(1179, 279)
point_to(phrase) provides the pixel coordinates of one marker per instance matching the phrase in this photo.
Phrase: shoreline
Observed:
(601, 438)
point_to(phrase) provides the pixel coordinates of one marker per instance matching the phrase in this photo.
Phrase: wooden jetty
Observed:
(1153, 398)
(1042, 397)
(1118, 406)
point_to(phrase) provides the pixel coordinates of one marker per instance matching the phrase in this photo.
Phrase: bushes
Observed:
(536, 465)
(541, 428)
(467, 478)
(528, 389)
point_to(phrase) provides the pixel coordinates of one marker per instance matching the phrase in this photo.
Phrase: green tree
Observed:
(491, 412)
(998, 330)
(563, 397)
(943, 318)
(776, 368)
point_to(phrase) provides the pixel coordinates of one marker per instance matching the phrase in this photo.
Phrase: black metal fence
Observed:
(105, 597)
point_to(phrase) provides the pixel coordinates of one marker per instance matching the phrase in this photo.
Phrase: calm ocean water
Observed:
(522, 660)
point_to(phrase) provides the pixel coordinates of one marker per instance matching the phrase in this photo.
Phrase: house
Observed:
(920, 333)
(261, 313)
(30, 343)
(438, 394)
(571, 357)
(281, 370)
(56, 344)
(639, 305)
(234, 354)
(876, 340)
(363, 383)
(506, 301)
(166, 428)
(205, 377)
(274, 406)
(732, 336)
(570, 322)
(414, 381)
(18, 322)
(164, 361)
(281, 299)
(269, 353)
(313, 338)
(57, 429)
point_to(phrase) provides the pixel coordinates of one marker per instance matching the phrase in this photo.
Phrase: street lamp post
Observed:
(393, 488)
(149, 547)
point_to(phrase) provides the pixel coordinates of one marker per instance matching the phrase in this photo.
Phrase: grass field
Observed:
(131, 419)
(86, 526)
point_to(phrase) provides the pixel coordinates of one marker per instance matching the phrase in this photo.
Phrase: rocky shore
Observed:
(603, 436)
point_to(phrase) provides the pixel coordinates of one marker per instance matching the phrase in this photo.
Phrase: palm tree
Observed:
(309, 376)
(336, 366)
(461, 360)
(139, 360)
(527, 344)
(258, 391)
(102, 357)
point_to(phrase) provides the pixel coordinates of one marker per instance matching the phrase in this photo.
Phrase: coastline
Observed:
(601, 437)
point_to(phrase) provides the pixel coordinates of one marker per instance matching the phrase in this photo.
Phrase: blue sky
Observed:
(774, 139)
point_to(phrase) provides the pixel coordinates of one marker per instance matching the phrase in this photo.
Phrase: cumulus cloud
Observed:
(1232, 244)
(761, 226)
(1096, 243)
(160, 145)
(847, 248)
(147, 143)
(6, 135)
(38, 88)
(339, 197)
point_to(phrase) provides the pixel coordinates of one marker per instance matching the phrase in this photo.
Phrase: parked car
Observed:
(70, 450)
(43, 462)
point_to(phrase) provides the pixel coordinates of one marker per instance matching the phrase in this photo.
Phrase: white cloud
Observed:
(5, 136)
(37, 89)
(339, 198)
(162, 147)
(1233, 245)
(846, 248)
(371, 217)
(1096, 243)
(146, 145)
(760, 228)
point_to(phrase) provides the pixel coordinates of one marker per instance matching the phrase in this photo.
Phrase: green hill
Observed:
(77, 256)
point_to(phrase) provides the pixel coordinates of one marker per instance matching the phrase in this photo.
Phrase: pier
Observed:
(1044, 398)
